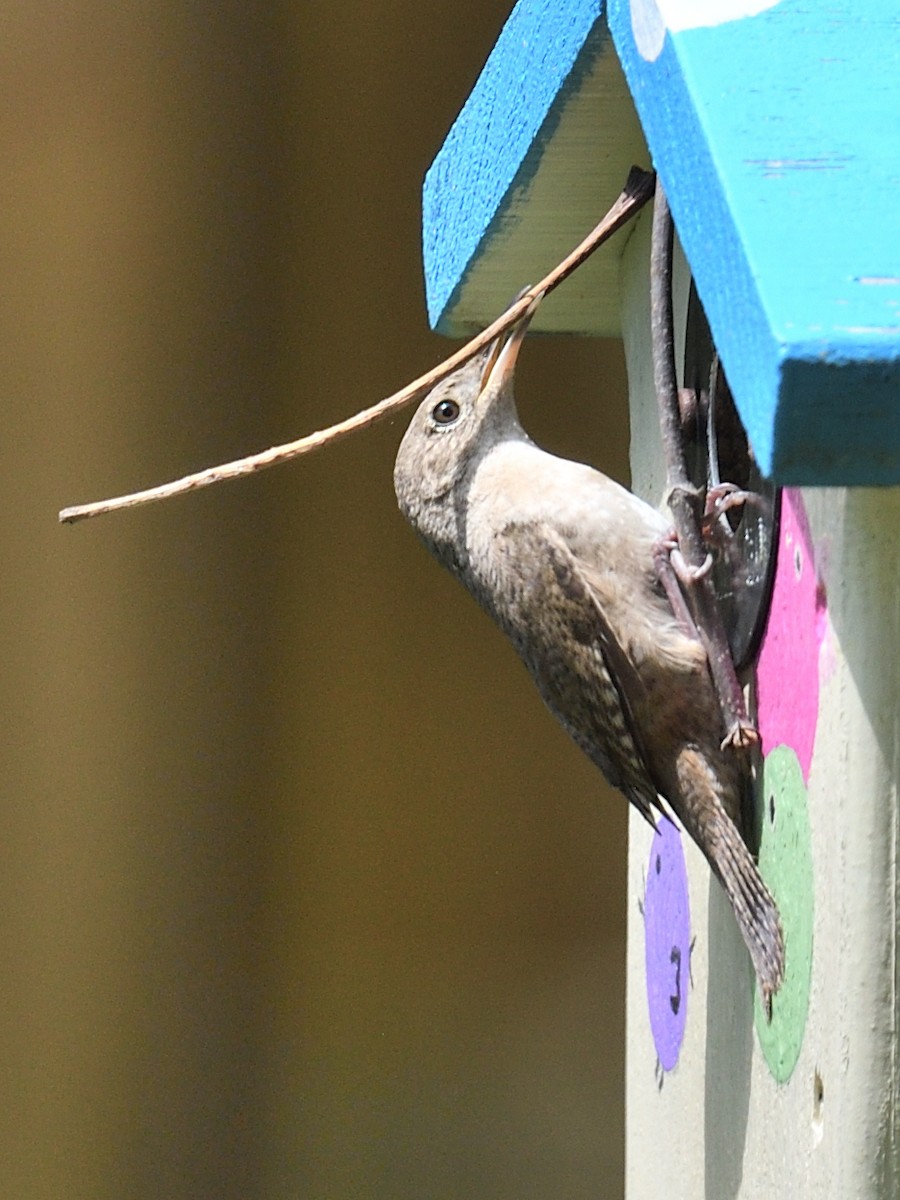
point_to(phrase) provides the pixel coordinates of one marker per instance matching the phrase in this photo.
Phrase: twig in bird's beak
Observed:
(637, 191)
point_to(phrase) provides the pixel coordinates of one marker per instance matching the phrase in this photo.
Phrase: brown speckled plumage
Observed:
(562, 559)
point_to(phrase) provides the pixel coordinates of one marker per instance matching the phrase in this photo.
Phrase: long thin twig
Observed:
(685, 500)
(637, 191)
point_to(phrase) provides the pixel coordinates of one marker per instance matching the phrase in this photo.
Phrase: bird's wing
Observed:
(579, 663)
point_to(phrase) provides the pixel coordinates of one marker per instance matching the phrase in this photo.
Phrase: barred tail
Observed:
(716, 834)
(754, 909)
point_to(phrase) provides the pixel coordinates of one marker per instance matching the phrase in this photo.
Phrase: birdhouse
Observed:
(773, 126)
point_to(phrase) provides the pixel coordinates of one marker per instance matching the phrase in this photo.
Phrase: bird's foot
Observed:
(722, 498)
(663, 557)
(687, 574)
(742, 735)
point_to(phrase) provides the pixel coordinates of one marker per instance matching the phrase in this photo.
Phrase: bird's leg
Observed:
(692, 600)
(676, 577)
(668, 574)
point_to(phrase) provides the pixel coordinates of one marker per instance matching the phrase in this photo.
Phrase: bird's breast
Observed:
(602, 522)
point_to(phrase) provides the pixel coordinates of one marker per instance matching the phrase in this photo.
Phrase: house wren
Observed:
(563, 559)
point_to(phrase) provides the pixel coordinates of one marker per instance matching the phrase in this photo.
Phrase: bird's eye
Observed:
(445, 412)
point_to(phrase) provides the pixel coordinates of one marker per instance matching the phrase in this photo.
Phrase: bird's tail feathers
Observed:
(704, 813)
(755, 911)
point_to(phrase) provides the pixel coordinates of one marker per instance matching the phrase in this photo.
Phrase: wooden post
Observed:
(807, 1106)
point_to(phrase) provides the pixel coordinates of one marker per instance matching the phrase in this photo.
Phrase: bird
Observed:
(563, 559)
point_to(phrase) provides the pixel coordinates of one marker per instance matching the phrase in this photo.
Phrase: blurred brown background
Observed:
(303, 893)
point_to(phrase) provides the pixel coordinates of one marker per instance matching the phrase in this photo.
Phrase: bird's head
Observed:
(454, 427)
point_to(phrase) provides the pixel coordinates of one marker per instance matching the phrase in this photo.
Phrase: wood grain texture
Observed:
(540, 149)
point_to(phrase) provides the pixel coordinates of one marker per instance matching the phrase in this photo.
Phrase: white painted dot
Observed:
(651, 18)
(648, 28)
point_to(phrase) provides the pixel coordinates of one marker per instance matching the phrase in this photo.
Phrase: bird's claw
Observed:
(724, 496)
(741, 735)
(689, 575)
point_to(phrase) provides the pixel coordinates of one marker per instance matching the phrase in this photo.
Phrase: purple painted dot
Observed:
(667, 942)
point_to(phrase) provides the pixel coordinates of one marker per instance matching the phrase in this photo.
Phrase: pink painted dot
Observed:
(787, 670)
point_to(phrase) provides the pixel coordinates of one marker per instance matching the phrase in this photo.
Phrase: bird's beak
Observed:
(500, 363)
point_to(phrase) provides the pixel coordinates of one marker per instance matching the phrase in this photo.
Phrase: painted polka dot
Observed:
(667, 943)
(787, 671)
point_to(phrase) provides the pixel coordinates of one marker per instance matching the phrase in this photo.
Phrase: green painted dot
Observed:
(785, 862)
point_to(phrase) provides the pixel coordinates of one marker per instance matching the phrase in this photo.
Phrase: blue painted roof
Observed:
(532, 60)
(492, 221)
(777, 136)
